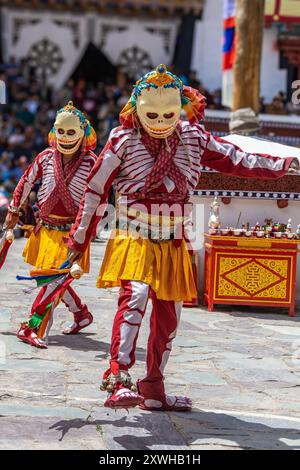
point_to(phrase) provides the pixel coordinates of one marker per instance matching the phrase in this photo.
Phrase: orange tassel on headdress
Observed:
(194, 104)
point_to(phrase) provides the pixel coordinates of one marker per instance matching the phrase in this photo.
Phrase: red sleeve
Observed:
(228, 158)
(31, 175)
(94, 200)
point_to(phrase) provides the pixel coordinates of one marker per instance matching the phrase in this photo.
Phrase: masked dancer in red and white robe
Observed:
(154, 160)
(62, 170)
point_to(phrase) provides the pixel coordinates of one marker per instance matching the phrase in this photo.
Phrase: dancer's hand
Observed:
(294, 168)
(11, 220)
(74, 255)
(76, 271)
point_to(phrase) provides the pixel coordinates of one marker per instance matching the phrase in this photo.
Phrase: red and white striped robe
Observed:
(42, 168)
(125, 162)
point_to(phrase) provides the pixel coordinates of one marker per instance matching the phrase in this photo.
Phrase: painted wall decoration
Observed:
(136, 45)
(54, 42)
(283, 10)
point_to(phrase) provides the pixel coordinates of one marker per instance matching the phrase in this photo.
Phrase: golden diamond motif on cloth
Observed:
(227, 289)
(279, 291)
(252, 277)
(227, 264)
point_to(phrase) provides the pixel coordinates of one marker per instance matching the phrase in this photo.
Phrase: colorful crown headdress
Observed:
(192, 101)
(90, 137)
(70, 108)
(160, 77)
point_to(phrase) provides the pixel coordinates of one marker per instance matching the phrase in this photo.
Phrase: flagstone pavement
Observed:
(240, 366)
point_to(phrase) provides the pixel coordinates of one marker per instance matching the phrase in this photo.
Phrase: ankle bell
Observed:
(122, 377)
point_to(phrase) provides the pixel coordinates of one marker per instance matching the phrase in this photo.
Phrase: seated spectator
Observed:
(262, 105)
(21, 166)
(17, 137)
(277, 106)
(4, 203)
(12, 69)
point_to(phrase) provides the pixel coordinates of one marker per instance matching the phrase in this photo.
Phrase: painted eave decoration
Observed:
(213, 184)
(282, 11)
(114, 6)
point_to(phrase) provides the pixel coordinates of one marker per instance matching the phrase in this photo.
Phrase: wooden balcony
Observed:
(154, 7)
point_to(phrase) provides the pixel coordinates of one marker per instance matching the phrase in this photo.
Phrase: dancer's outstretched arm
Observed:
(228, 158)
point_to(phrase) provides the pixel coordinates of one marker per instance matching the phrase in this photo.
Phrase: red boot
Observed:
(81, 320)
(154, 399)
(27, 335)
(122, 393)
(122, 397)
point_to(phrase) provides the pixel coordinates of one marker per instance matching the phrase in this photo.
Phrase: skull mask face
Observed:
(69, 132)
(158, 110)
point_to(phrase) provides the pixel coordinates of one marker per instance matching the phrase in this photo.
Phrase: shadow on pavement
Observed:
(80, 342)
(245, 433)
(83, 342)
(146, 430)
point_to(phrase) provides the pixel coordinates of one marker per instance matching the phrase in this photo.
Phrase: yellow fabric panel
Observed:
(47, 250)
(167, 269)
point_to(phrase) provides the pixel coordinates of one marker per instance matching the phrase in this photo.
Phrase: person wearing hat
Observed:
(62, 170)
(154, 161)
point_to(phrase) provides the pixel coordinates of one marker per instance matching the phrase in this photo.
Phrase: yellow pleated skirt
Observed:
(47, 250)
(166, 268)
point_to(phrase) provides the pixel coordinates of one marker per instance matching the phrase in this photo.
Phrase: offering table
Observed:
(250, 271)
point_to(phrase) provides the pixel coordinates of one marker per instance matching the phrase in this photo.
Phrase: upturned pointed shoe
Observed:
(122, 397)
(167, 403)
(29, 336)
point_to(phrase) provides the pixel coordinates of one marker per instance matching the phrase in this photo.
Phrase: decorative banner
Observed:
(52, 43)
(282, 11)
(136, 45)
(228, 52)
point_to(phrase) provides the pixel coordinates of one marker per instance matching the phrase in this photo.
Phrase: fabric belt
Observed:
(59, 228)
(137, 232)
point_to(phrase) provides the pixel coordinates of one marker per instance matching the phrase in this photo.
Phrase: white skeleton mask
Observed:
(69, 132)
(159, 110)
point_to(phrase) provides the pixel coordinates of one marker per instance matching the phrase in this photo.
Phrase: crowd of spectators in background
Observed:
(279, 105)
(31, 106)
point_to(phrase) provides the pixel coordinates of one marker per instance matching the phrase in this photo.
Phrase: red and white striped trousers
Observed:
(164, 321)
(71, 300)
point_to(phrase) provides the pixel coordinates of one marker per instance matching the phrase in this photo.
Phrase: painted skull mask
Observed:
(156, 103)
(69, 132)
(158, 110)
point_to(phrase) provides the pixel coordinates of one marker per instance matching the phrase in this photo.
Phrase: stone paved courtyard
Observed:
(241, 367)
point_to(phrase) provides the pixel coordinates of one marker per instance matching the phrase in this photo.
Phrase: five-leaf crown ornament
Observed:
(160, 77)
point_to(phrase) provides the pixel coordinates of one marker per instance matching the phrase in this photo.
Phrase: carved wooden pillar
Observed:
(249, 34)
